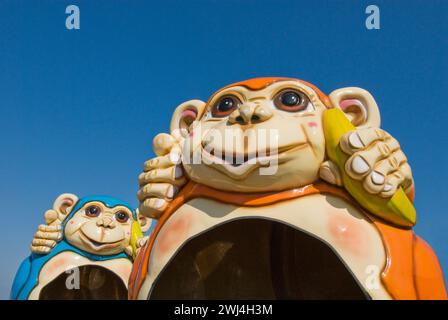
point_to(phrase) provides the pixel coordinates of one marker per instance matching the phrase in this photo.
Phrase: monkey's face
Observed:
(100, 230)
(265, 140)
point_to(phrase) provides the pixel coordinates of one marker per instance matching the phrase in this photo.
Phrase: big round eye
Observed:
(93, 211)
(291, 101)
(225, 106)
(122, 216)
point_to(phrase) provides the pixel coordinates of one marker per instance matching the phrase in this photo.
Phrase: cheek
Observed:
(173, 234)
(313, 131)
(57, 264)
(194, 139)
(347, 234)
(127, 231)
(312, 126)
(73, 225)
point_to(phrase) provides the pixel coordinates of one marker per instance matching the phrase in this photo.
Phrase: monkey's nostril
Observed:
(255, 118)
(239, 119)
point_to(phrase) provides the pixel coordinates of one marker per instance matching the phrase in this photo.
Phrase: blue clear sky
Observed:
(79, 108)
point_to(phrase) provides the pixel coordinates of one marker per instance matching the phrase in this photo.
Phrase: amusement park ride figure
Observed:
(273, 190)
(84, 252)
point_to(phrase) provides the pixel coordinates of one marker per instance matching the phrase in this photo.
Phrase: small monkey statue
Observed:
(85, 250)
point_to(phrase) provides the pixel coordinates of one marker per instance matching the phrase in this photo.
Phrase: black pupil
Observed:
(121, 215)
(226, 104)
(93, 210)
(290, 99)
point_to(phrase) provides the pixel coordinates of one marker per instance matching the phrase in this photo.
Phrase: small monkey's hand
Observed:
(140, 244)
(49, 234)
(162, 176)
(377, 160)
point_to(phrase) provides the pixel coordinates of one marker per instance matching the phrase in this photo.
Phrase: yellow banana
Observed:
(398, 209)
(136, 234)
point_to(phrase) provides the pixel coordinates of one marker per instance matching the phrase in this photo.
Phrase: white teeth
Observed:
(387, 187)
(159, 203)
(359, 165)
(355, 141)
(377, 178)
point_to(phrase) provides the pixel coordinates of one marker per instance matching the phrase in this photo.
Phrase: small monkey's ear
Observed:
(184, 116)
(145, 222)
(358, 105)
(65, 203)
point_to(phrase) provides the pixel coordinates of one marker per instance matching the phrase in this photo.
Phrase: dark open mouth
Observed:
(95, 282)
(256, 259)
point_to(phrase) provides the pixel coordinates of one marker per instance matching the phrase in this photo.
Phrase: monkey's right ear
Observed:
(185, 115)
(65, 203)
(358, 105)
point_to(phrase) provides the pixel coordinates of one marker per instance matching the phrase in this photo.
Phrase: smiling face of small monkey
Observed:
(276, 128)
(98, 229)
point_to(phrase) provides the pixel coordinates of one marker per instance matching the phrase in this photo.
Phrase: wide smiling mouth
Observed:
(95, 245)
(261, 158)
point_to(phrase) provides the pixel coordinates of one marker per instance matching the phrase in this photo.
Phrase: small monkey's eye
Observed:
(93, 211)
(225, 106)
(121, 216)
(291, 101)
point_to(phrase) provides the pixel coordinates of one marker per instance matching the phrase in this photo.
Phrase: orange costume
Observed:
(412, 270)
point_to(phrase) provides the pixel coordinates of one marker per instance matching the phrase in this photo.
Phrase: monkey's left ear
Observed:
(185, 115)
(358, 105)
(64, 204)
(145, 223)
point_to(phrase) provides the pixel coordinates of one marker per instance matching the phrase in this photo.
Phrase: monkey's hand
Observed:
(140, 244)
(49, 234)
(162, 176)
(376, 159)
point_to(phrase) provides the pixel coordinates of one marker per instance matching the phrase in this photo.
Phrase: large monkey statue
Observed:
(85, 250)
(320, 209)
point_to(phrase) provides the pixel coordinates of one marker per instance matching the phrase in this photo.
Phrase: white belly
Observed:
(334, 221)
(67, 260)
